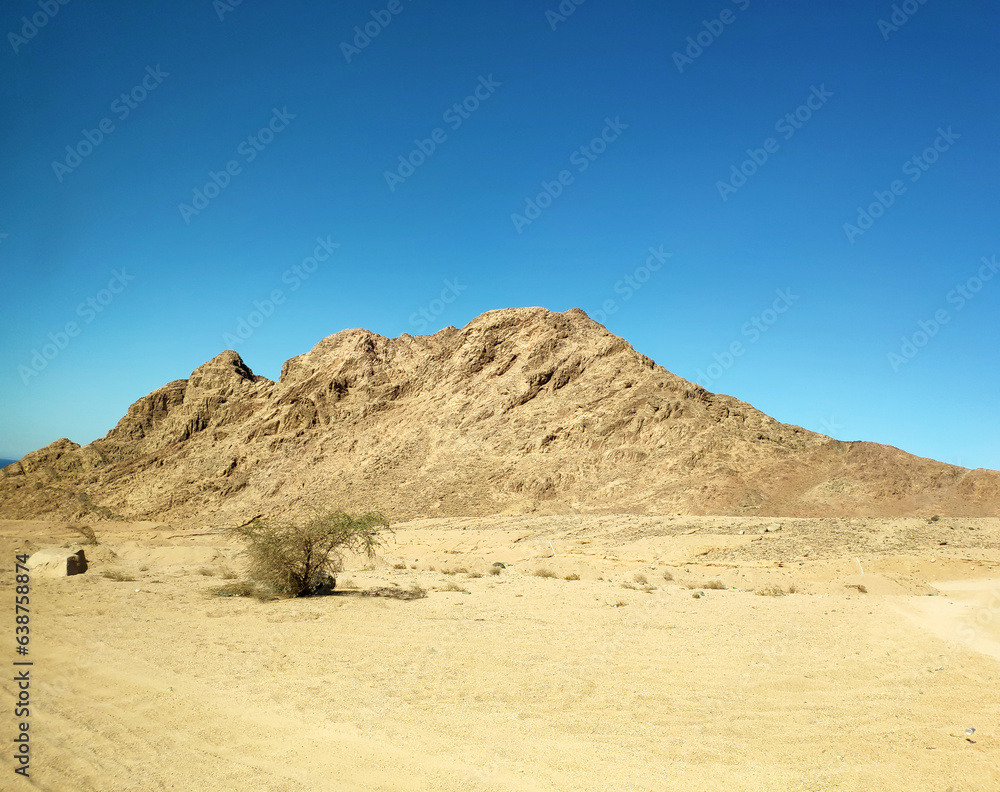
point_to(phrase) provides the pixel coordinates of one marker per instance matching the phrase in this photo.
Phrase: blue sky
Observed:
(794, 205)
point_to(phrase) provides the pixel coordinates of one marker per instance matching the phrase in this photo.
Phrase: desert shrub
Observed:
(495, 570)
(455, 587)
(399, 566)
(640, 579)
(299, 559)
(546, 573)
(572, 576)
(770, 591)
(718, 585)
(629, 586)
(475, 574)
(859, 586)
(446, 571)
(667, 575)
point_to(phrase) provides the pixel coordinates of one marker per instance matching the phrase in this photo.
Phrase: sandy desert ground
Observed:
(619, 680)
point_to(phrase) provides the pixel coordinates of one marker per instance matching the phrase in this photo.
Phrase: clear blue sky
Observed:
(132, 218)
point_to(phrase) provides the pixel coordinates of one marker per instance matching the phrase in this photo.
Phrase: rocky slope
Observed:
(522, 410)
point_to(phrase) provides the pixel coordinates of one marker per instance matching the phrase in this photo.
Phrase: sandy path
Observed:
(523, 683)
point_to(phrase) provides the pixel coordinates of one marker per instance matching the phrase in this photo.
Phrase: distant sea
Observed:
(5, 462)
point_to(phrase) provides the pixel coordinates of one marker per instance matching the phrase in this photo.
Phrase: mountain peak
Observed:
(520, 410)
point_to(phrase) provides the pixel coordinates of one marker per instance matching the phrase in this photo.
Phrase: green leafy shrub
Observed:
(299, 559)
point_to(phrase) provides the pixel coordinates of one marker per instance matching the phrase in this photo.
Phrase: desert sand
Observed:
(622, 679)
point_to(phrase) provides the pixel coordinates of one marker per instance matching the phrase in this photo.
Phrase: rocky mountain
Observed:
(522, 410)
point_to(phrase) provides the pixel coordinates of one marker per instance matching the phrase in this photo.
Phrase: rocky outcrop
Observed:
(57, 562)
(521, 410)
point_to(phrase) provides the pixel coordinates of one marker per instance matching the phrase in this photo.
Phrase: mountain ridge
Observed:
(522, 410)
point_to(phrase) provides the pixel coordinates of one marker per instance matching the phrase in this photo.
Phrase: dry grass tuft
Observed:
(495, 570)
(640, 579)
(117, 575)
(244, 588)
(667, 575)
(545, 573)
(399, 565)
(859, 586)
(572, 576)
(86, 533)
(475, 574)
(455, 587)
(392, 592)
(770, 591)
(717, 585)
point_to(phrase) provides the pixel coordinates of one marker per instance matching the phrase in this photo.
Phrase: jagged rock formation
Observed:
(521, 410)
